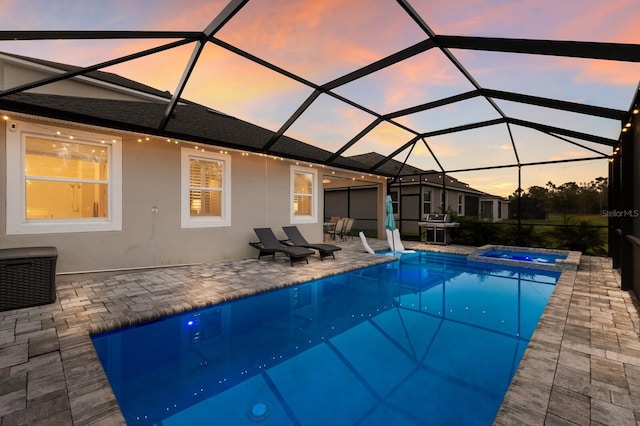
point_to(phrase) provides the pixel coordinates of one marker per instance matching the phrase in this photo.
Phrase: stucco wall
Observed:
(13, 75)
(260, 196)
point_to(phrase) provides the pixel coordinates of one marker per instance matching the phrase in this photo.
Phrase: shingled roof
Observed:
(407, 171)
(190, 122)
(103, 76)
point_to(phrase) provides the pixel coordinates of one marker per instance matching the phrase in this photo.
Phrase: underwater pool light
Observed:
(259, 412)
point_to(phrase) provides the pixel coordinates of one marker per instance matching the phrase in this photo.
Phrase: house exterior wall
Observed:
(341, 201)
(410, 204)
(260, 196)
(151, 181)
(470, 203)
(15, 74)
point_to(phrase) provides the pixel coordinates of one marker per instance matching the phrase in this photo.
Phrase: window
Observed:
(426, 202)
(395, 202)
(61, 180)
(486, 209)
(461, 204)
(206, 189)
(304, 195)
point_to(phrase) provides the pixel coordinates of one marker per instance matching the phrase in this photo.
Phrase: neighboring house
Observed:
(109, 195)
(419, 193)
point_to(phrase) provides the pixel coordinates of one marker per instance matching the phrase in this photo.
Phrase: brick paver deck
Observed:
(582, 365)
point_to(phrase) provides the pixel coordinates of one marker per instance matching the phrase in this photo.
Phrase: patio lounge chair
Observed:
(269, 245)
(297, 239)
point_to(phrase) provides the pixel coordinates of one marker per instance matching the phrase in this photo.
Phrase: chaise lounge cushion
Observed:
(297, 239)
(269, 245)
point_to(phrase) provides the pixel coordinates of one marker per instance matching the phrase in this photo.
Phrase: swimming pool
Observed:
(426, 339)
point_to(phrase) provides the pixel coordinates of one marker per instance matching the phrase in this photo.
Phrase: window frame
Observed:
(424, 202)
(16, 220)
(444, 206)
(313, 217)
(188, 221)
(395, 202)
(461, 204)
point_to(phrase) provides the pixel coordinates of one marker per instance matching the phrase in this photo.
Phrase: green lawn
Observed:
(558, 219)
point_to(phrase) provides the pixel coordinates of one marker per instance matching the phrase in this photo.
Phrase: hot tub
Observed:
(536, 258)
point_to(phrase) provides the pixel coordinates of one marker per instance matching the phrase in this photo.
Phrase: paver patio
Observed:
(582, 365)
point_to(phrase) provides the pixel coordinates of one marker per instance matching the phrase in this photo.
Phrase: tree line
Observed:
(568, 199)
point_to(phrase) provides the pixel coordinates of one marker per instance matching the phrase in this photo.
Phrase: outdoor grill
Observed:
(436, 228)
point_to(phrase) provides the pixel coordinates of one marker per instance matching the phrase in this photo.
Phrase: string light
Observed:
(47, 130)
(141, 139)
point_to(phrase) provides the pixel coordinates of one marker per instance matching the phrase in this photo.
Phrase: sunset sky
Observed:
(320, 40)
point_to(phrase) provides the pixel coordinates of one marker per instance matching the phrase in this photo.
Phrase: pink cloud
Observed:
(604, 72)
(592, 20)
(613, 21)
(320, 39)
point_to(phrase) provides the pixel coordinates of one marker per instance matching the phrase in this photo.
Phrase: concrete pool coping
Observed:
(582, 365)
(571, 262)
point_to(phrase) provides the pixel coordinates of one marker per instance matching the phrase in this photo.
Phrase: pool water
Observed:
(524, 256)
(427, 339)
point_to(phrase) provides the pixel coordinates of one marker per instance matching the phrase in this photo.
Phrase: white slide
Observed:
(395, 243)
(365, 243)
